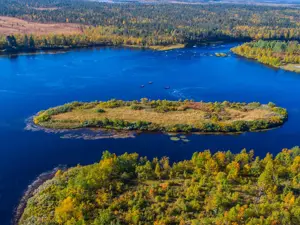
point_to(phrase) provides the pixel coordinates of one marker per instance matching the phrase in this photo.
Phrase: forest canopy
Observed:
(219, 188)
(147, 25)
(285, 54)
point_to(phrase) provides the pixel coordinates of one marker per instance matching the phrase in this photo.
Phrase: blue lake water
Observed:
(30, 83)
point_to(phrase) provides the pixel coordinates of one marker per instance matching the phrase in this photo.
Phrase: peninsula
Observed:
(164, 116)
(279, 54)
(220, 188)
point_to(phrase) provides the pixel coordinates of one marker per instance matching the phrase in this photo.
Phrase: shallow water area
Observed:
(82, 133)
(30, 83)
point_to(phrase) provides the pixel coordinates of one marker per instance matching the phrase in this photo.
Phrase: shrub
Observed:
(271, 105)
(241, 125)
(41, 118)
(136, 107)
(254, 105)
(100, 111)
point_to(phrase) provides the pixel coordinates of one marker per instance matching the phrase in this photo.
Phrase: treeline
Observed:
(157, 24)
(93, 36)
(219, 188)
(274, 53)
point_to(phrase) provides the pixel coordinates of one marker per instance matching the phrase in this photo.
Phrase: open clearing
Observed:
(190, 117)
(292, 67)
(11, 25)
(163, 115)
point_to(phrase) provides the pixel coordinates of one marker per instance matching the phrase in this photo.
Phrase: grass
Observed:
(166, 48)
(190, 117)
(11, 25)
(292, 67)
(174, 139)
(157, 47)
(168, 116)
(221, 54)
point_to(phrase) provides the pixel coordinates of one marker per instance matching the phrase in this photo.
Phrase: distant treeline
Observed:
(157, 24)
(93, 36)
(274, 53)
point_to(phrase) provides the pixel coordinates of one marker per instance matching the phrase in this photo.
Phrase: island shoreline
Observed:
(162, 117)
(264, 52)
(47, 50)
(29, 192)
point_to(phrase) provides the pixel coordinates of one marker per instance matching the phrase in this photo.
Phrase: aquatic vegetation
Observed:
(180, 138)
(164, 116)
(221, 54)
(174, 139)
(219, 188)
(166, 48)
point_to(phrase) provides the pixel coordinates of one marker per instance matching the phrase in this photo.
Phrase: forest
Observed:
(274, 53)
(164, 116)
(219, 188)
(147, 25)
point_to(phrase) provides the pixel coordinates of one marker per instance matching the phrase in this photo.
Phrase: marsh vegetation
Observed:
(164, 115)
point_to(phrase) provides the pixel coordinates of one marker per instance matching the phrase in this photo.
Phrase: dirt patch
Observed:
(11, 25)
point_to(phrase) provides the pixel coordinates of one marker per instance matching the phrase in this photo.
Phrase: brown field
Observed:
(11, 25)
(190, 117)
(163, 115)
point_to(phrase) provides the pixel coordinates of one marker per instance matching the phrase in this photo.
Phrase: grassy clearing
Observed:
(189, 116)
(292, 67)
(11, 25)
(166, 48)
(166, 116)
(221, 54)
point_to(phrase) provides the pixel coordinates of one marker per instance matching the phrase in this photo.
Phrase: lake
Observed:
(30, 83)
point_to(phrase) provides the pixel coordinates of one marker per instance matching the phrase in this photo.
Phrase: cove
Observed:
(30, 83)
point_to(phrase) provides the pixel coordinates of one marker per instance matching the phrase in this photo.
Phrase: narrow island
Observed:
(219, 188)
(164, 116)
(279, 54)
(221, 54)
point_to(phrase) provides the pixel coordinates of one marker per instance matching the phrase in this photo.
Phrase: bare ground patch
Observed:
(11, 25)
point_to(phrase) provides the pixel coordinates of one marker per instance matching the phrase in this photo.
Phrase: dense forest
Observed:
(274, 53)
(149, 24)
(220, 188)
